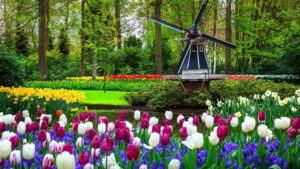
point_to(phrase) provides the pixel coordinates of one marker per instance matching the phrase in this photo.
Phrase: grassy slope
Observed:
(99, 97)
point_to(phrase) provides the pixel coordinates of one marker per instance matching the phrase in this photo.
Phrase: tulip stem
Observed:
(106, 160)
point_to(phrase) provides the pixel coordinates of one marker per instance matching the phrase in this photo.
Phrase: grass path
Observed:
(108, 98)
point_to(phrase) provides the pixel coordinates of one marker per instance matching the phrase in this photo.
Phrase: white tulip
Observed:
(128, 125)
(79, 142)
(48, 161)
(213, 138)
(169, 115)
(208, 103)
(153, 120)
(234, 122)
(7, 135)
(81, 129)
(5, 148)
(116, 166)
(1, 114)
(65, 160)
(61, 123)
(9, 119)
(143, 167)
(249, 124)
(25, 113)
(194, 141)
(203, 117)
(191, 129)
(101, 128)
(110, 127)
(1, 119)
(28, 120)
(88, 166)
(153, 141)
(88, 125)
(262, 130)
(136, 141)
(15, 157)
(21, 128)
(286, 122)
(190, 120)
(174, 164)
(209, 121)
(149, 130)
(277, 123)
(137, 115)
(111, 160)
(179, 118)
(28, 151)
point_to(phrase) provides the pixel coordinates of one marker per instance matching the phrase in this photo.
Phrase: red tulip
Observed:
(68, 147)
(168, 130)
(84, 116)
(119, 134)
(34, 126)
(56, 125)
(216, 118)
(44, 125)
(230, 118)
(261, 116)
(28, 128)
(292, 132)
(196, 120)
(156, 128)
(296, 123)
(75, 126)
(14, 141)
(127, 136)
(39, 112)
(83, 158)
(165, 139)
(166, 122)
(96, 142)
(42, 136)
(2, 127)
(183, 132)
(132, 152)
(107, 144)
(92, 116)
(222, 132)
(221, 122)
(90, 134)
(122, 115)
(145, 123)
(18, 117)
(60, 132)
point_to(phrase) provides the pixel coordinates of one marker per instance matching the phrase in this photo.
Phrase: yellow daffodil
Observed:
(238, 114)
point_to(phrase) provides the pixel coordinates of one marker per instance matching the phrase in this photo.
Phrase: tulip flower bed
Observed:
(16, 99)
(247, 133)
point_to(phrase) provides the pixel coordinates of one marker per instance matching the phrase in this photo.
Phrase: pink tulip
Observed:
(261, 116)
(95, 153)
(96, 142)
(222, 132)
(292, 132)
(230, 118)
(48, 161)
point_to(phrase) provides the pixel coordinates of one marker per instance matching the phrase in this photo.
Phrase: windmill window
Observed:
(201, 48)
(194, 48)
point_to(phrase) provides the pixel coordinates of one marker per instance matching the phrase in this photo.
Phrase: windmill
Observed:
(194, 65)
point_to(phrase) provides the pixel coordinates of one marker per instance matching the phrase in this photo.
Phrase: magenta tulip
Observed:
(196, 120)
(68, 148)
(96, 142)
(145, 123)
(132, 152)
(156, 128)
(166, 122)
(14, 141)
(221, 122)
(42, 136)
(216, 118)
(2, 127)
(261, 116)
(296, 123)
(91, 134)
(107, 144)
(165, 139)
(292, 132)
(83, 158)
(222, 132)
(230, 118)
(183, 132)
(60, 132)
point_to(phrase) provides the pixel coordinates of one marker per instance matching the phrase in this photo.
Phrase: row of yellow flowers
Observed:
(23, 93)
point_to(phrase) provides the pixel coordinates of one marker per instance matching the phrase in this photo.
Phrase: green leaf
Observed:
(223, 163)
(275, 166)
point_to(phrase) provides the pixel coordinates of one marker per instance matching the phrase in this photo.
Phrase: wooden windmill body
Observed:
(194, 65)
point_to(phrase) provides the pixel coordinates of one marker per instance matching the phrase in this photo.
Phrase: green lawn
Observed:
(108, 98)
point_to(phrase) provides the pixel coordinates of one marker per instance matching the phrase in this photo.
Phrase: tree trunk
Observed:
(237, 33)
(215, 33)
(158, 39)
(7, 22)
(94, 53)
(118, 24)
(228, 68)
(82, 37)
(42, 10)
(48, 23)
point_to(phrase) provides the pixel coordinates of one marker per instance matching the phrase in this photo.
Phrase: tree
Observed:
(228, 37)
(83, 39)
(118, 23)
(42, 11)
(158, 39)
(63, 43)
(22, 42)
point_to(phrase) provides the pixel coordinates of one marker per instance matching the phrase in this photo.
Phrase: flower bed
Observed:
(137, 77)
(15, 99)
(259, 133)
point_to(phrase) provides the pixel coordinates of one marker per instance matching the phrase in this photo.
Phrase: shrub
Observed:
(167, 94)
(198, 98)
(11, 71)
